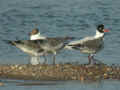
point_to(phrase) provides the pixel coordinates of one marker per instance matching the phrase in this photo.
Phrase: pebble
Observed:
(1, 84)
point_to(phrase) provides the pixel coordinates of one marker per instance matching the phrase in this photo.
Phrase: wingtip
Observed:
(69, 38)
(9, 42)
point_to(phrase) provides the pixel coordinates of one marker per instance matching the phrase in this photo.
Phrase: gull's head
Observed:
(100, 31)
(35, 34)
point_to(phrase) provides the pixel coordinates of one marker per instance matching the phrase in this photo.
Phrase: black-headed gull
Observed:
(91, 44)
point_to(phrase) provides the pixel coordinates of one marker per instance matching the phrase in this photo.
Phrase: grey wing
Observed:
(52, 44)
(91, 44)
(33, 44)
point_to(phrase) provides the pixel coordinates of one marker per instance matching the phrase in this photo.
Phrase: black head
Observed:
(100, 28)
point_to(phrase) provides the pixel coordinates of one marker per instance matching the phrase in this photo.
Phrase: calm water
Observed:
(60, 18)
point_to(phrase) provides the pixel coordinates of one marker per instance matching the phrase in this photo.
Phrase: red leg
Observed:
(89, 58)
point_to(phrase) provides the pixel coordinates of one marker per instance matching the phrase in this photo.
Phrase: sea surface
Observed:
(77, 18)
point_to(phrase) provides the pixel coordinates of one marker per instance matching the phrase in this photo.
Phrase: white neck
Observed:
(37, 36)
(98, 34)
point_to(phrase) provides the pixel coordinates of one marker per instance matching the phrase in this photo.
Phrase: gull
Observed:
(41, 47)
(91, 44)
(53, 45)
